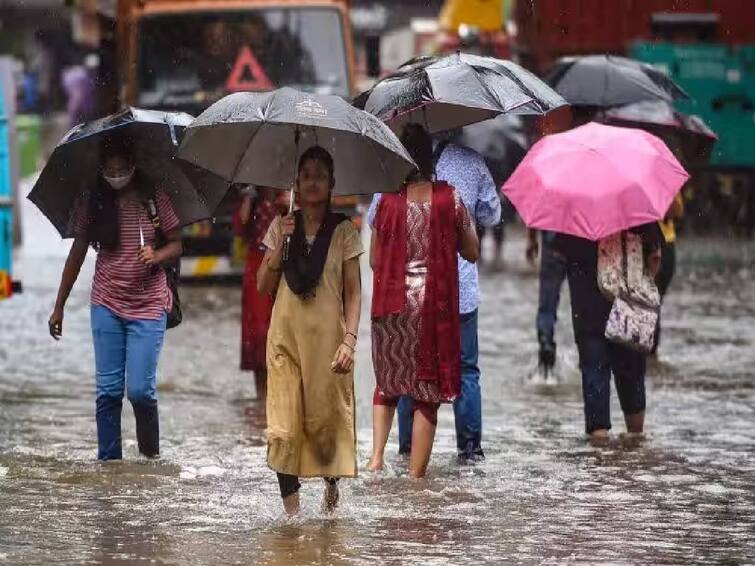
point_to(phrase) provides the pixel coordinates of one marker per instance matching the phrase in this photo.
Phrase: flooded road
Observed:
(684, 495)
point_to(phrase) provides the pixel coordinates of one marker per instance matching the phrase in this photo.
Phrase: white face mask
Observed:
(119, 182)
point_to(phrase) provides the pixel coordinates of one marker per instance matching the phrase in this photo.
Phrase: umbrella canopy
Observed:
(457, 90)
(502, 142)
(595, 180)
(257, 138)
(688, 133)
(604, 81)
(74, 168)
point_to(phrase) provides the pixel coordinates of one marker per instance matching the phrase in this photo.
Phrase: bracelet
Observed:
(352, 334)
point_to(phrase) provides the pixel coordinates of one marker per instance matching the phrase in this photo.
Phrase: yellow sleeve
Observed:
(352, 242)
(273, 237)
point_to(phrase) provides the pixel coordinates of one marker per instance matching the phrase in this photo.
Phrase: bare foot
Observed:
(291, 505)
(376, 464)
(330, 497)
(599, 437)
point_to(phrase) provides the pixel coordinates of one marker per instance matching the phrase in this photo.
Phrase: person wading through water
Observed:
(312, 337)
(130, 294)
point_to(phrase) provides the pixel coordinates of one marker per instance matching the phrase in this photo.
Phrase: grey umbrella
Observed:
(457, 90)
(502, 142)
(604, 81)
(74, 167)
(257, 138)
(684, 132)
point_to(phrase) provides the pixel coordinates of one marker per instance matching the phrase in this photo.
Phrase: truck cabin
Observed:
(184, 55)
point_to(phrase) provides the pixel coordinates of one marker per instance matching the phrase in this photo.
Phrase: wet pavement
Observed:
(683, 495)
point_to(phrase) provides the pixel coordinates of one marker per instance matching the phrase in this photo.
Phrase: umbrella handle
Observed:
(172, 128)
(287, 243)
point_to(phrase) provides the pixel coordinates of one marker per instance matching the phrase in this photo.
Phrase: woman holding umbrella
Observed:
(627, 182)
(312, 336)
(311, 264)
(130, 295)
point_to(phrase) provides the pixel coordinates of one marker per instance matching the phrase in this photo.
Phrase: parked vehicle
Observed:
(186, 54)
(548, 29)
(706, 46)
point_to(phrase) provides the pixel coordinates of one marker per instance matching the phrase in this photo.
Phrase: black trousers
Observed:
(663, 280)
(290, 485)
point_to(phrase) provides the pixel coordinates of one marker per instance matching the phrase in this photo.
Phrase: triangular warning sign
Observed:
(247, 74)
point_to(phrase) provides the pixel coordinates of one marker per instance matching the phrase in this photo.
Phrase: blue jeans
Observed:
(552, 275)
(126, 353)
(467, 408)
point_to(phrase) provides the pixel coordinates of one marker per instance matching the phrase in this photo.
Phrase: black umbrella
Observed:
(257, 138)
(605, 80)
(688, 133)
(74, 167)
(502, 142)
(457, 90)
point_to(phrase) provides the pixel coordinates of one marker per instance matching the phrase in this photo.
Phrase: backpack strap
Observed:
(150, 206)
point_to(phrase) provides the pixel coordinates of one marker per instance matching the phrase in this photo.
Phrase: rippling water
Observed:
(684, 495)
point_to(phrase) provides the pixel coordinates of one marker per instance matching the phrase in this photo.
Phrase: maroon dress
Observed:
(396, 337)
(256, 308)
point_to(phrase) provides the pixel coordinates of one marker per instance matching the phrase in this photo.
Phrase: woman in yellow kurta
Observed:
(312, 337)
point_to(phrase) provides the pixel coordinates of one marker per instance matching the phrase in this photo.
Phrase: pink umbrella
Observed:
(594, 181)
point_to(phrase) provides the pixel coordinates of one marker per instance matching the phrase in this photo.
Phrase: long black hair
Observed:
(419, 144)
(103, 232)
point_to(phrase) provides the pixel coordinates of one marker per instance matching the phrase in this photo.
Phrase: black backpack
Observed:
(172, 269)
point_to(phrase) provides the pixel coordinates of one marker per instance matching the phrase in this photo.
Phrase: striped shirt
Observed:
(122, 283)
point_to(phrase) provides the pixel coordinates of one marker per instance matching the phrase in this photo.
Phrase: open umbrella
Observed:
(74, 167)
(687, 132)
(606, 80)
(457, 90)
(595, 180)
(502, 142)
(257, 138)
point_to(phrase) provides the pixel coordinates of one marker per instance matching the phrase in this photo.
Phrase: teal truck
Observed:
(9, 229)
(6, 202)
(720, 79)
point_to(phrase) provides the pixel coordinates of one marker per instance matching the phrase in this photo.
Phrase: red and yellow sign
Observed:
(247, 74)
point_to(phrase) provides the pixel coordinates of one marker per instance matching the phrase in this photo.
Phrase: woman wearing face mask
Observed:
(130, 297)
(312, 337)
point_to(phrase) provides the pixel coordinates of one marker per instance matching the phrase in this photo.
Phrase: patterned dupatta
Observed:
(439, 354)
